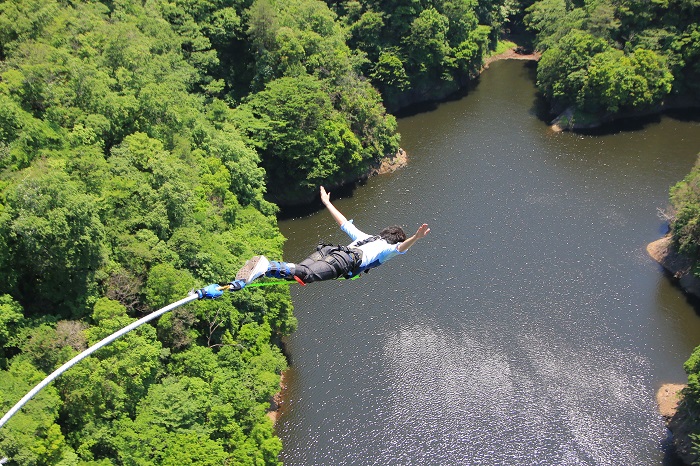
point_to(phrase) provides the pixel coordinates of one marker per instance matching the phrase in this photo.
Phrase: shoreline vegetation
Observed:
(573, 120)
(149, 148)
(669, 397)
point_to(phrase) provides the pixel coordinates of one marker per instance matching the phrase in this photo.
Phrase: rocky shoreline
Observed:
(566, 120)
(678, 421)
(670, 396)
(677, 265)
(277, 401)
(516, 53)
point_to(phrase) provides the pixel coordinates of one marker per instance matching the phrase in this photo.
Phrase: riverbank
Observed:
(277, 401)
(400, 159)
(669, 396)
(679, 420)
(391, 164)
(573, 120)
(514, 53)
(677, 265)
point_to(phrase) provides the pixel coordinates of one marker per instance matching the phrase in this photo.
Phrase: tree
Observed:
(427, 43)
(562, 70)
(685, 202)
(302, 138)
(10, 316)
(366, 34)
(126, 183)
(32, 436)
(56, 240)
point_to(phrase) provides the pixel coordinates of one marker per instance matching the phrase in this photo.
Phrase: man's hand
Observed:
(326, 199)
(422, 231)
(325, 196)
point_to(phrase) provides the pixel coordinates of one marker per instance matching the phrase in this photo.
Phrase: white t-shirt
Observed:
(375, 252)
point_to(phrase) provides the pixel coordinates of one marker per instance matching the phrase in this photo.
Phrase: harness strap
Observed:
(353, 257)
(353, 253)
(367, 240)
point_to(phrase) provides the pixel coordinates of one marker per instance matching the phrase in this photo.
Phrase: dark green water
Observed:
(529, 327)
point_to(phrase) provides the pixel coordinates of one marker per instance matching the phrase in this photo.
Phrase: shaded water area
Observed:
(529, 327)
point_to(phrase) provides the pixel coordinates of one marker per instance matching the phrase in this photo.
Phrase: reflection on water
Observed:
(529, 327)
(520, 389)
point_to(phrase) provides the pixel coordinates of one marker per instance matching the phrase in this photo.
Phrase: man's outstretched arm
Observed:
(422, 231)
(326, 199)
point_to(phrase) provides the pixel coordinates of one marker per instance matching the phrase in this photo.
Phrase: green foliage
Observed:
(32, 437)
(10, 318)
(426, 42)
(297, 37)
(692, 368)
(562, 70)
(166, 284)
(690, 402)
(421, 50)
(125, 184)
(685, 202)
(334, 134)
(55, 238)
(617, 81)
(627, 55)
(302, 137)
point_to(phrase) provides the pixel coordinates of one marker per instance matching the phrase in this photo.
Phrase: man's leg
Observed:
(327, 263)
(310, 270)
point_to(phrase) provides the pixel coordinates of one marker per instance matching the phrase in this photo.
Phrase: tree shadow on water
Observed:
(686, 115)
(288, 212)
(641, 122)
(620, 124)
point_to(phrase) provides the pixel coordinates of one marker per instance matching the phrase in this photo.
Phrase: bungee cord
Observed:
(212, 291)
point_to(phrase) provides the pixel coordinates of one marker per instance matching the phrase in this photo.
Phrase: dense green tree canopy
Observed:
(613, 57)
(420, 50)
(126, 183)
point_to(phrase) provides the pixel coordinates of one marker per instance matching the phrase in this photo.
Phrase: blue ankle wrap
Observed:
(278, 270)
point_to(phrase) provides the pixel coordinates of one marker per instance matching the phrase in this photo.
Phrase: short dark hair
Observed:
(393, 234)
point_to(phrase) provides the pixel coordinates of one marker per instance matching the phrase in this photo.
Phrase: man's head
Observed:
(393, 234)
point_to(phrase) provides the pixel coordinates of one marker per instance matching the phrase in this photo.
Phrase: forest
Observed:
(605, 58)
(146, 147)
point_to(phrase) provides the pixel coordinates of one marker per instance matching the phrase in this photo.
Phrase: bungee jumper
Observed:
(329, 261)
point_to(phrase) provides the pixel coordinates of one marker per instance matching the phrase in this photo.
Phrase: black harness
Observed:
(345, 260)
(367, 240)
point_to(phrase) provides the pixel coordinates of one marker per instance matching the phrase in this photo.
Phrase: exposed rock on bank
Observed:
(679, 266)
(667, 398)
(277, 401)
(679, 420)
(516, 53)
(391, 164)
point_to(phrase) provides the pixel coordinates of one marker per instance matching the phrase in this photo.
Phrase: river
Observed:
(529, 327)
